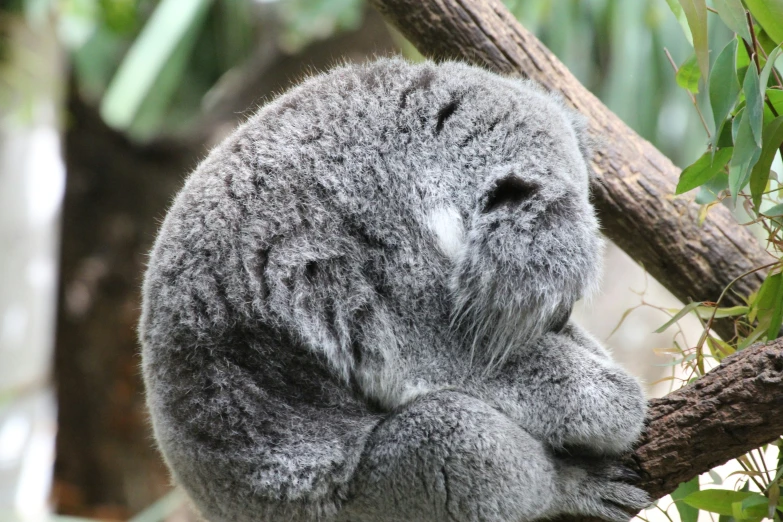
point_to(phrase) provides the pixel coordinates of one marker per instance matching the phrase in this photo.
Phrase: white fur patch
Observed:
(446, 224)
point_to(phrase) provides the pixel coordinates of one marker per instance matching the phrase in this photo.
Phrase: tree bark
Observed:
(733, 409)
(636, 183)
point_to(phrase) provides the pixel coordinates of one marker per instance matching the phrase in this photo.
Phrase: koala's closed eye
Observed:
(510, 191)
(445, 113)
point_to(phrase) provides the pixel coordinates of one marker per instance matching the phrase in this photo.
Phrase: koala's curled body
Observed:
(357, 307)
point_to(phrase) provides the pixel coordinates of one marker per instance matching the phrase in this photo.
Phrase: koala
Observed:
(357, 309)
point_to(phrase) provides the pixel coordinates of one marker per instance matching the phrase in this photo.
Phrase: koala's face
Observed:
(521, 233)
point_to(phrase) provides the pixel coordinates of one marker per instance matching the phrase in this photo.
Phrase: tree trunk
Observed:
(635, 186)
(116, 192)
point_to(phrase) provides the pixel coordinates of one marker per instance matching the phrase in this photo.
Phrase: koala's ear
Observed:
(587, 142)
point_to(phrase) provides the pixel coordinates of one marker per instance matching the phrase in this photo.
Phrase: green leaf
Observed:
(706, 312)
(765, 72)
(754, 103)
(720, 500)
(147, 58)
(773, 138)
(735, 123)
(766, 303)
(775, 211)
(755, 335)
(743, 61)
(696, 14)
(710, 190)
(776, 318)
(680, 16)
(679, 315)
(703, 170)
(733, 15)
(769, 14)
(775, 97)
(724, 87)
(746, 154)
(688, 75)
(687, 513)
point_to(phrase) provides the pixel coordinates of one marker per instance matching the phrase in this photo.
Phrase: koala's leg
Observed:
(448, 456)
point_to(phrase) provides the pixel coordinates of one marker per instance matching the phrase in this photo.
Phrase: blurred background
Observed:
(106, 105)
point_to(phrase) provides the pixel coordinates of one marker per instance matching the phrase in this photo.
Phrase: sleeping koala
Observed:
(357, 310)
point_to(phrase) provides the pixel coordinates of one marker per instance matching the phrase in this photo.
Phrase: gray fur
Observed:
(355, 310)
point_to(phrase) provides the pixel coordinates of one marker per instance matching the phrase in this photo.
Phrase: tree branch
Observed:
(734, 408)
(634, 194)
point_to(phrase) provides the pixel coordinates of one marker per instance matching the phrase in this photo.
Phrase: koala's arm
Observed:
(568, 393)
(449, 456)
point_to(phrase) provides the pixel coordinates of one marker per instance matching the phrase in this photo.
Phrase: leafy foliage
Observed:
(744, 91)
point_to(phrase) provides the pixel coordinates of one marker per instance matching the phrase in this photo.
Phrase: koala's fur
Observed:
(356, 310)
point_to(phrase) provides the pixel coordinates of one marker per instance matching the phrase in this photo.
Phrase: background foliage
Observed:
(737, 93)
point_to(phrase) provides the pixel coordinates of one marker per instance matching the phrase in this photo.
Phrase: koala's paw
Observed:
(604, 489)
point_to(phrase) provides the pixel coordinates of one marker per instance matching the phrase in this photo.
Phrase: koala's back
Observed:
(290, 286)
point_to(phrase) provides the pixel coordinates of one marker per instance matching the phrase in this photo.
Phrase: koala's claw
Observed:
(621, 473)
(605, 492)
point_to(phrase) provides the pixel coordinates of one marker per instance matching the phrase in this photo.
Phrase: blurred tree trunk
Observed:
(106, 462)
(116, 194)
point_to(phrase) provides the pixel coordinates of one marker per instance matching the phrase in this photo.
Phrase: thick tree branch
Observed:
(736, 407)
(634, 194)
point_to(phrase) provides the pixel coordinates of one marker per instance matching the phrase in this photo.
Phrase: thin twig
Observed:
(690, 94)
(749, 472)
(755, 54)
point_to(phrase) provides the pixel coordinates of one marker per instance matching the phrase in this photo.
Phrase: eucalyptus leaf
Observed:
(769, 14)
(719, 500)
(147, 58)
(743, 61)
(710, 190)
(775, 97)
(732, 13)
(767, 70)
(776, 318)
(724, 87)
(680, 16)
(690, 307)
(696, 14)
(688, 75)
(687, 513)
(775, 211)
(754, 103)
(735, 123)
(773, 138)
(704, 169)
(746, 154)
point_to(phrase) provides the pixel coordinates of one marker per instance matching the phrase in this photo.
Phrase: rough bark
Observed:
(636, 182)
(734, 408)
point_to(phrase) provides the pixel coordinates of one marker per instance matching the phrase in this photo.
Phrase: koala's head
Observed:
(512, 211)
(423, 190)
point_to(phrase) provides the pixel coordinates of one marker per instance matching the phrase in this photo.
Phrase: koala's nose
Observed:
(509, 191)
